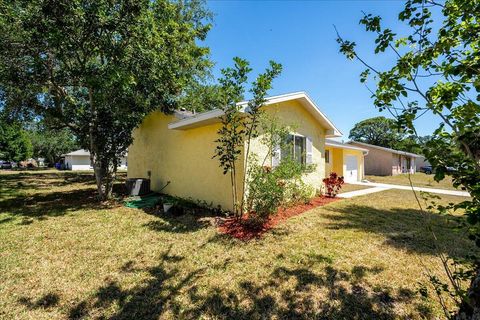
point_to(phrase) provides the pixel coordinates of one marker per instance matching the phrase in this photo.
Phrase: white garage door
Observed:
(352, 168)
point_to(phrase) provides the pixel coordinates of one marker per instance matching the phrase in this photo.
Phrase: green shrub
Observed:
(272, 188)
(298, 192)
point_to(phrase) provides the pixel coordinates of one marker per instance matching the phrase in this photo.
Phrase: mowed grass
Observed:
(352, 187)
(64, 256)
(418, 179)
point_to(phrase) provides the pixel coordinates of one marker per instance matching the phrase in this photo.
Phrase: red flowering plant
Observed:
(333, 184)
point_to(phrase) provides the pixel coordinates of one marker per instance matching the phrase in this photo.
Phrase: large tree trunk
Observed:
(105, 177)
(99, 178)
(100, 166)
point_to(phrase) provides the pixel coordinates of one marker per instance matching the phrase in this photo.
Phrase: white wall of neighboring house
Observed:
(123, 163)
(73, 162)
(82, 162)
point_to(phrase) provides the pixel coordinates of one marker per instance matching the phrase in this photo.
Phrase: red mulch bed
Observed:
(240, 230)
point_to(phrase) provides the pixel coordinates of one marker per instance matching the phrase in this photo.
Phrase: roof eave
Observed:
(332, 133)
(213, 116)
(403, 153)
(198, 120)
(344, 146)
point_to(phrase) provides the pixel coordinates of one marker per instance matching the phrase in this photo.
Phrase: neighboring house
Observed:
(385, 161)
(176, 150)
(80, 160)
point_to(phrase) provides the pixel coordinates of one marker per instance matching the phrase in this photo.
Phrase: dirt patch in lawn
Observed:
(240, 229)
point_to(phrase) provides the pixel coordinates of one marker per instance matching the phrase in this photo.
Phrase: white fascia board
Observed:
(310, 105)
(214, 115)
(403, 153)
(335, 131)
(344, 146)
(196, 120)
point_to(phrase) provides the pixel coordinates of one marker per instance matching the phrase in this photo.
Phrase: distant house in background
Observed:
(382, 161)
(80, 160)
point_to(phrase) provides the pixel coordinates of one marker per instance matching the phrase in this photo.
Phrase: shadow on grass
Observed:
(49, 300)
(50, 204)
(148, 300)
(36, 180)
(182, 224)
(405, 228)
(345, 295)
(53, 204)
(185, 220)
(285, 294)
(26, 180)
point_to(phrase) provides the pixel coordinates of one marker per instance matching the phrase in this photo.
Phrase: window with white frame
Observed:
(296, 147)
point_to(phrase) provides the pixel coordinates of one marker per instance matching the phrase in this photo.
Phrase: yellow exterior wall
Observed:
(183, 157)
(292, 114)
(338, 162)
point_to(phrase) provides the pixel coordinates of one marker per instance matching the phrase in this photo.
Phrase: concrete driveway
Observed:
(377, 187)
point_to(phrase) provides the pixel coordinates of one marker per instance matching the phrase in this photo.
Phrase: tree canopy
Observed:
(99, 66)
(379, 131)
(15, 144)
(51, 143)
(200, 97)
(384, 132)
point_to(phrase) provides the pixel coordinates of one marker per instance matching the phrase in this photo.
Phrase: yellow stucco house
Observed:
(178, 148)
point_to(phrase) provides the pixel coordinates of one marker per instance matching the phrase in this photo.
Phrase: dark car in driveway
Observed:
(426, 169)
(429, 170)
(6, 165)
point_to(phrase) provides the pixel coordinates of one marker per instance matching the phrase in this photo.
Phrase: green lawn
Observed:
(62, 255)
(418, 179)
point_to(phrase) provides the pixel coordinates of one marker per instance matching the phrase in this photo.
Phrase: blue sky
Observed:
(300, 35)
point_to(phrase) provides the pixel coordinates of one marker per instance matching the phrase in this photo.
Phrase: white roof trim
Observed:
(213, 116)
(338, 144)
(80, 152)
(404, 153)
(83, 152)
(200, 118)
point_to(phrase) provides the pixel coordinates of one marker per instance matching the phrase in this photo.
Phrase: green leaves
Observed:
(51, 143)
(15, 145)
(383, 40)
(444, 95)
(371, 23)
(99, 66)
(436, 71)
(347, 48)
(262, 85)
(378, 131)
(364, 75)
(238, 129)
